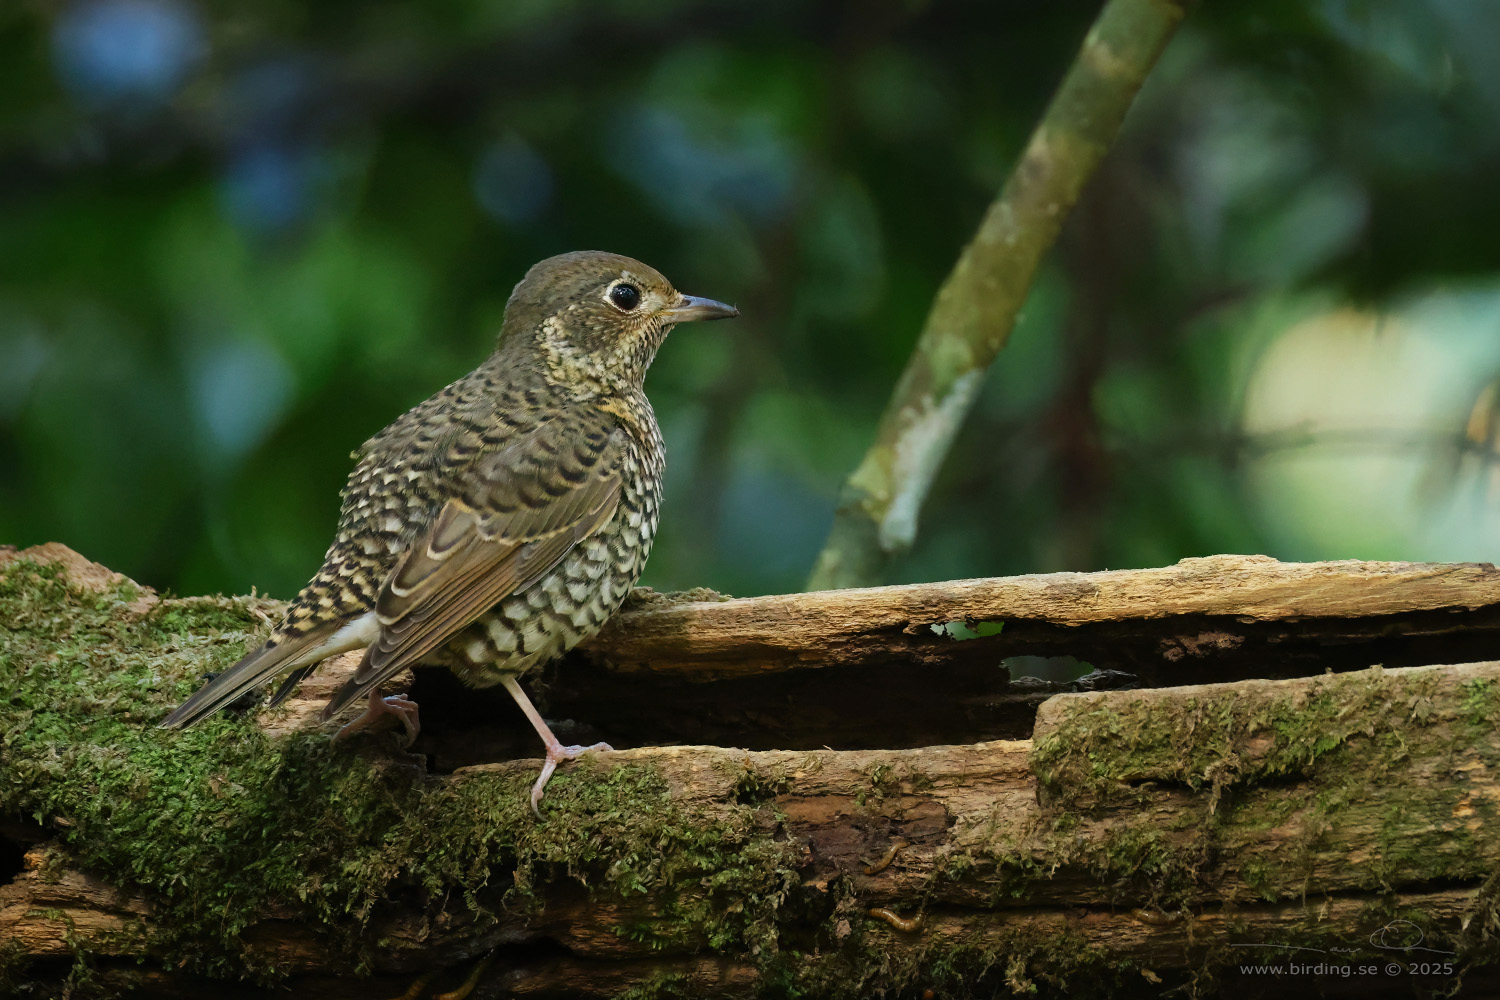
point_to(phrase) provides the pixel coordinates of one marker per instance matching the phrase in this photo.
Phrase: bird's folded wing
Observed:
(520, 512)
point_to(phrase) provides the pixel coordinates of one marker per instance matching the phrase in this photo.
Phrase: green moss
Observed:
(1308, 764)
(13, 965)
(1222, 741)
(1481, 704)
(883, 782)
(1008, 957)
(889, 781)
(751, 785)
(1482, 923)
(220, 823)
(658, 986)
(1267, 787)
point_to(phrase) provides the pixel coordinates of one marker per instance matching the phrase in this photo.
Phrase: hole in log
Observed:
(878, 706)
(948, 684)
(1196, 649)
(1056, 669)
(963, 630)
(12, 858)
(843, 708)
(16, 838)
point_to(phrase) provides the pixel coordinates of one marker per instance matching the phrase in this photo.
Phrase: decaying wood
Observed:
(1158, 828)
(874, 668)
(1157, 834)
(1199, 609)
(867, 668)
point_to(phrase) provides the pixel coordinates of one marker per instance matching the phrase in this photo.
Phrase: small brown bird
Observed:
(500, 522)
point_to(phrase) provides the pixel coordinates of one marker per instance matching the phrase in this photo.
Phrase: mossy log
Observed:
(1137, 839)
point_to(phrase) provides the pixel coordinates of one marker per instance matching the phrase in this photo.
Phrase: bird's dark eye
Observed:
(625, 295)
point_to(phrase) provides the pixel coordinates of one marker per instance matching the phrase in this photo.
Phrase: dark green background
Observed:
(237, 239)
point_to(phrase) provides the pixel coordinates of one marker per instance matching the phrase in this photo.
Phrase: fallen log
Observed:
(886, 667)
(1138, 839)
(1199, 608)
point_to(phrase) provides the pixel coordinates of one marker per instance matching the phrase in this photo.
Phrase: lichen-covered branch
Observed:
(975, 309)
(1138, 836)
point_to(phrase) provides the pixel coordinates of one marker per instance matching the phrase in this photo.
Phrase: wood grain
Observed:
(1306, 798)
(713, 640)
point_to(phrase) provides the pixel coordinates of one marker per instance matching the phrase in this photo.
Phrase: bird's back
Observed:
(428, 456)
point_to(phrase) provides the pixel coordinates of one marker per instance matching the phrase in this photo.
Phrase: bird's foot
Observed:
(380, 712)
(556, 754)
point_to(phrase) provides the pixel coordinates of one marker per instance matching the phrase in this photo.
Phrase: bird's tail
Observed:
(277, 655)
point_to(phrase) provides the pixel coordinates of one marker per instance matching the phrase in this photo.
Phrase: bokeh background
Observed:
(237, 239)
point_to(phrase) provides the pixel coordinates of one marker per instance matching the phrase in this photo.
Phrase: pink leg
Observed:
(556, 752)
(398, 705)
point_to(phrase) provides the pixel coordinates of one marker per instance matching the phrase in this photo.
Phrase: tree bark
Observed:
(1138, 839)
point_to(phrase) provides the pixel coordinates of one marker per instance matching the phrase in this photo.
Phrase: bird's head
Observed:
(597, 318)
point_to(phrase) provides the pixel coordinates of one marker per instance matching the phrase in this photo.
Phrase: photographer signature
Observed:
(1398, 935)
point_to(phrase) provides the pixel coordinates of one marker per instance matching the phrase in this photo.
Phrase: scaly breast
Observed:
(573, 601)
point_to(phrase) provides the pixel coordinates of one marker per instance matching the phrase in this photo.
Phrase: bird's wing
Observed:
(520, 511)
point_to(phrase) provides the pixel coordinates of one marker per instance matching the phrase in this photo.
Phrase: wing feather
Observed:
(522, 511)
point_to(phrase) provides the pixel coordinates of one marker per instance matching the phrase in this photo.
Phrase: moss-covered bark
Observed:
(1142, 836)
(222, 825)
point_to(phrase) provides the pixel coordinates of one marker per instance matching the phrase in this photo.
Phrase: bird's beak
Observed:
(691, 307)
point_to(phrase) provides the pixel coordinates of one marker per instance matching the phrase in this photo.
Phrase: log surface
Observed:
(1138, 838)
(861, 669)
(718, 639)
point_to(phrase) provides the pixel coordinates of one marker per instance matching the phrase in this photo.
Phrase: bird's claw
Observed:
(379, 709)
(556, 754)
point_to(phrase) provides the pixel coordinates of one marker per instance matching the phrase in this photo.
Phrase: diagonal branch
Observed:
(975, 309)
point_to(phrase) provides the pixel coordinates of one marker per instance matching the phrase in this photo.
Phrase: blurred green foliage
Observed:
(236, 240)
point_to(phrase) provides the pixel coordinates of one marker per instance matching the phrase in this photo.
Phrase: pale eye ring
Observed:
(625, 296)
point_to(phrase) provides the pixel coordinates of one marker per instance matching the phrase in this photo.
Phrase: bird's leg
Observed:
(398, 705)
(556, 752)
